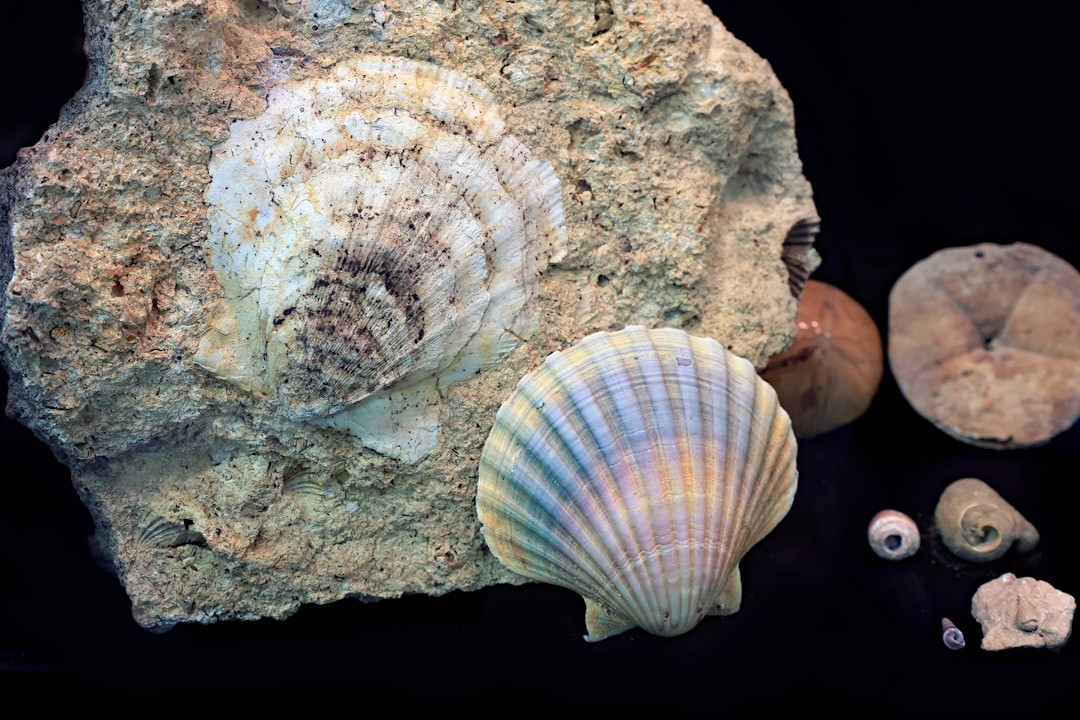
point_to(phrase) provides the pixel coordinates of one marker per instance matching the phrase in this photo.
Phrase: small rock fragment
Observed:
(1022, 612)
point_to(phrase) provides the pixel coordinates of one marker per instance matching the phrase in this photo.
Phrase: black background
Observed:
(921, 125)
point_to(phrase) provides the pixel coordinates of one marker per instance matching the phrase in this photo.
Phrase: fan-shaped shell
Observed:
(637, 468)
(373, 228)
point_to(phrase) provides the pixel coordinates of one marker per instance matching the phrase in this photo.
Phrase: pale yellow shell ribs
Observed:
(637, 468)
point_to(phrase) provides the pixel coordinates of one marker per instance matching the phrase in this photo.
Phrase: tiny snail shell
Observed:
(893, 535)
(951, 635)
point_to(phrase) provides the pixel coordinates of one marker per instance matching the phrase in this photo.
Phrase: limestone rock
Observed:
(157, 308)
(1022, 612)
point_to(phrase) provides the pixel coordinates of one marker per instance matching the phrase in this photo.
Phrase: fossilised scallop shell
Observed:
(637, 468)
(376, 230)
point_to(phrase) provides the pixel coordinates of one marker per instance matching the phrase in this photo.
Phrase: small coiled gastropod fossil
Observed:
(951, 635)
(893, 535)
(637, 468)
(978, 525)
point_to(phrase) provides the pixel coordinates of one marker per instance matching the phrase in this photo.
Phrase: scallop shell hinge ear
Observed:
(637, 468)
(376, 230)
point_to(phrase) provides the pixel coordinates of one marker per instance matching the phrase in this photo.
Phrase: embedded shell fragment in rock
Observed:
(376, 230)
(984, 342)
(637, 468)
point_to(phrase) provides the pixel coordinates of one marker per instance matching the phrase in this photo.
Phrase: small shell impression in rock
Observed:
(637, 468)
(375, 229)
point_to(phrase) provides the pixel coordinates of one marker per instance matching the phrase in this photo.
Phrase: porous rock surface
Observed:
(1022, 612)
(674, 146)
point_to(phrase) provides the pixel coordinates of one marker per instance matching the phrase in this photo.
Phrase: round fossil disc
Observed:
(984, 342)
(829, 375)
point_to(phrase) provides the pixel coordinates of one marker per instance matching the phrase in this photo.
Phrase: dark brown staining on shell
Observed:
(363, 325)
(364, 321)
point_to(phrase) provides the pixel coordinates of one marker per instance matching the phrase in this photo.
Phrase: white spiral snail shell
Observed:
(893, 535)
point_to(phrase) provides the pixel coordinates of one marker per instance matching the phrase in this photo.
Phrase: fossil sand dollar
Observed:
(984, 342)
(829, 375)
(637, 468)
(376, 230)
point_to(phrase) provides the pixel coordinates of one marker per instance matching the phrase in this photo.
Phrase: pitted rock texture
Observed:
(1022, 612)
(674, 147)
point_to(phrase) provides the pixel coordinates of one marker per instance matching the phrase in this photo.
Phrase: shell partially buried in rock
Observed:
(637, 468)
(375, 230)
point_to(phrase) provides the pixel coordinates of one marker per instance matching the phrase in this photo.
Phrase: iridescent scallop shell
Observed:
(637, 468)
(376, 231)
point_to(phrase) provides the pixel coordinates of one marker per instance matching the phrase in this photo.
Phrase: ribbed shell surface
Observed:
(637, 468)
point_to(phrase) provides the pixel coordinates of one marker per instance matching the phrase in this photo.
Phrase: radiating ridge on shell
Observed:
(637, 468)
(374, 229)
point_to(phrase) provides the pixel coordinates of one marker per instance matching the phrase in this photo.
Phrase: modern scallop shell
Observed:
(376, 231)
(637, 468)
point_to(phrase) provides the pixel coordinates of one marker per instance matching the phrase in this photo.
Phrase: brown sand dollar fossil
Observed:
(832, 370)
(984, 342)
